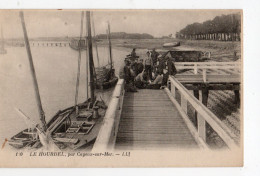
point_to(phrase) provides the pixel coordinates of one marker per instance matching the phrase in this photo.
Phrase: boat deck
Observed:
(149, 120)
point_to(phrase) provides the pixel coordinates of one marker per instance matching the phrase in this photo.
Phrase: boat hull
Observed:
(173, 44)
(108, 84)
(61, 128)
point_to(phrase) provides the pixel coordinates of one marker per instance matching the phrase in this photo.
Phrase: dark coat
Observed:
(171, 67)
(161, 65)
(140, 68)
(154, 56)
(127, 74)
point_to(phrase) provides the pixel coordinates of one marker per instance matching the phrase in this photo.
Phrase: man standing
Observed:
(127, 73)
(154, 56)
(133, 53)
(171, 67)
(148, 65)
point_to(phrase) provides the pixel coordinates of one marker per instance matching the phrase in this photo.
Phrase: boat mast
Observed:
(91, 63)
(95, 36)
(36, 88)
(110, 47)
(79, 59)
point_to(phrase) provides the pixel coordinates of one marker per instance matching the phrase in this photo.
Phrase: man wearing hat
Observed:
(154, 56)
(133, 53)
(129, 79)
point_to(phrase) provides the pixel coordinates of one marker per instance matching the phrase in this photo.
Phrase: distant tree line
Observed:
(224, 28)
(123, 35)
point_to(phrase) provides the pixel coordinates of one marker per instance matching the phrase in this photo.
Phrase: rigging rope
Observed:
(79, 59)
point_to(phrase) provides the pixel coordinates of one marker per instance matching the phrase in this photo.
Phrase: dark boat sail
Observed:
(73, 128)
(105, 76)
(2, 43)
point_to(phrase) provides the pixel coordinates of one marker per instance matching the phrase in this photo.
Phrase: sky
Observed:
(61, 23)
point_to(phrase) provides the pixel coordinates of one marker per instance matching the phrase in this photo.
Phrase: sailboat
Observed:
(2, 43)
(73, 128)
(105, 76)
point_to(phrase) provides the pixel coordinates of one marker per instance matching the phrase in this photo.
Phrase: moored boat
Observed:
(105, 76)
(73, 128)
(172, 44)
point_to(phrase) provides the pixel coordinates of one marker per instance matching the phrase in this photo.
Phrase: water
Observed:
(56, 70)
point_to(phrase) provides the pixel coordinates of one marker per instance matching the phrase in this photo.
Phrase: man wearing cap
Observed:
(148, 63)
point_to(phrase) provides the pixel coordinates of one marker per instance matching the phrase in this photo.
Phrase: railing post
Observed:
(196, 94)
(173, 90)
(184, 104)
(202, 127)
(195, 69)
(204, 75)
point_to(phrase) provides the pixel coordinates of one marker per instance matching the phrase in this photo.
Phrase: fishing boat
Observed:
(2, 43)
(73, 128)
(105, 76)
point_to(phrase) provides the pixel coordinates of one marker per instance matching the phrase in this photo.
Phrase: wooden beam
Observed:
(213, 86)
(196, 94)
(232, 79)
(184, 104)
(202, 127)
(205, 95)
(173, 90)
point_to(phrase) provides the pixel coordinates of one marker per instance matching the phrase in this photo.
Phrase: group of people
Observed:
(152, 72)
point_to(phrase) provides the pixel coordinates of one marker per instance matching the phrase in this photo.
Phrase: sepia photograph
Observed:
(121, 88)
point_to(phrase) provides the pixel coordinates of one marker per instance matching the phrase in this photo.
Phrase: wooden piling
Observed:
(197, 95)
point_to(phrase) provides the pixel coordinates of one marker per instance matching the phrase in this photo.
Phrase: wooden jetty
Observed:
(151, 121)
(156, 119)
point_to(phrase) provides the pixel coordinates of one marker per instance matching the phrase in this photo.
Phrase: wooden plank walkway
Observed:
(149, 120)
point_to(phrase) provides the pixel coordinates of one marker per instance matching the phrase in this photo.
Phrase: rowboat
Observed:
(172, 44)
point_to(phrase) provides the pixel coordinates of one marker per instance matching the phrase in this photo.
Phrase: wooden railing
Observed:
(108, 131)
(195, 66)
(204, 115)
(230, 68)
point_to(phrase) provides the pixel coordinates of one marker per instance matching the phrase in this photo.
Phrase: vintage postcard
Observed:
(121, 88)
